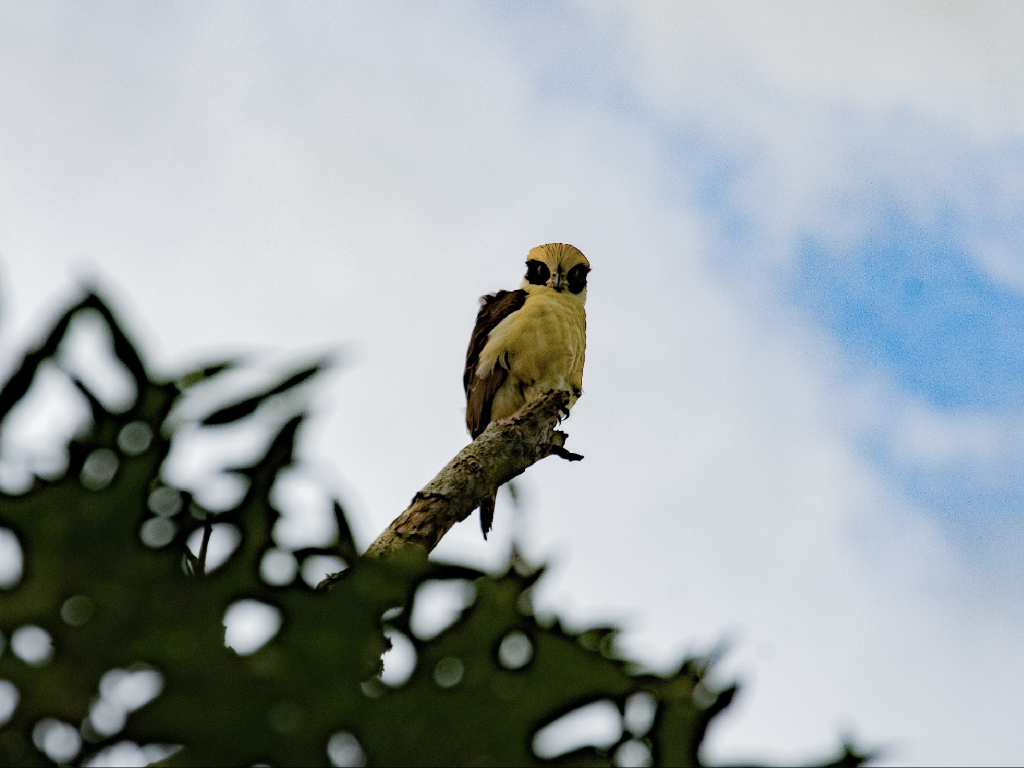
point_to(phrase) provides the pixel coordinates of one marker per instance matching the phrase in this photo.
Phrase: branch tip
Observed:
(501, 452)
(568, 455)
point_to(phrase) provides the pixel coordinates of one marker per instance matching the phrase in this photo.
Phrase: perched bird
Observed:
(528, 342)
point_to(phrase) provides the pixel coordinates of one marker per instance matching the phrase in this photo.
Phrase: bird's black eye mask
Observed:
(577, 278)
(537, 272)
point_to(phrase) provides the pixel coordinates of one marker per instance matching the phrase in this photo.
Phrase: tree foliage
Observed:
(111, 596)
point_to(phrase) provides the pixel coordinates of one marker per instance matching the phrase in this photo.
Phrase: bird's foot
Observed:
(563, 410)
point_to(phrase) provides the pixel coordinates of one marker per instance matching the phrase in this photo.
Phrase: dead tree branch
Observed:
(504, 451)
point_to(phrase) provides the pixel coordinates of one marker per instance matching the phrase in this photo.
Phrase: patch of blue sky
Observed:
(907, 298)
(972, 498)
(911, 300)
(711, 177)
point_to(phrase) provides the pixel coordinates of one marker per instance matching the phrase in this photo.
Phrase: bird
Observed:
(527, 342)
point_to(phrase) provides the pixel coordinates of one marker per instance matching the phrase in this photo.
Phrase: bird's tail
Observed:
(486, 515)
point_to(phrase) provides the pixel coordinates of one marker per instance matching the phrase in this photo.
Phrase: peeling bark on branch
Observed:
(503, 451)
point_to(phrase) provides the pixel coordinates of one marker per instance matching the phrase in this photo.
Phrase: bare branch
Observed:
(503, 451)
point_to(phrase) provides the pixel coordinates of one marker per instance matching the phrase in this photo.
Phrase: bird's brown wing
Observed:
(480, 390)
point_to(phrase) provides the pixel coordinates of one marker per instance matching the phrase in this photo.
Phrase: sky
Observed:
(802, 417)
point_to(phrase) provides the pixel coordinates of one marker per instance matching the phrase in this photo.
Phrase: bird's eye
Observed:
(537, 272)
(577, 278)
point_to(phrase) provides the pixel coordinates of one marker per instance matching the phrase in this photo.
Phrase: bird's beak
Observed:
(557, 281)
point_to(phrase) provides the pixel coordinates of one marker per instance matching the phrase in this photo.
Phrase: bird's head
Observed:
(559, 266)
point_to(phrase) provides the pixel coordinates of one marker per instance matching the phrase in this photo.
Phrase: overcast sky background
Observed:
(803, 415)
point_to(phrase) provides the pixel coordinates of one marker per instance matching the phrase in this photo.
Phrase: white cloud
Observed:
(956, 61)
(933, 437)
(1002, 261)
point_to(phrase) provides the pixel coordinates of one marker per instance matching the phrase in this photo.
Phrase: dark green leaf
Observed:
(110, 601)
(249, 405)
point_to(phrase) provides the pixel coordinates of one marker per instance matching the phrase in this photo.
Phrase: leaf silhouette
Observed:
(105, 578)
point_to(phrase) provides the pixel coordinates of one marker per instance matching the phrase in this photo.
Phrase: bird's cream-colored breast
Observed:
(542, 346)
